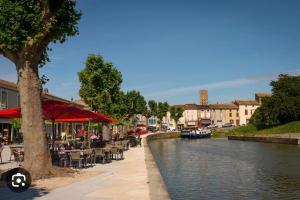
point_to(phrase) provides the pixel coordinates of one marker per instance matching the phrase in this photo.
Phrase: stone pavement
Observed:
(125, 179)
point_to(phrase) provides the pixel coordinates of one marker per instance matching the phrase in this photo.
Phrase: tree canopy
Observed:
(34, 24)
(136, 103)
(100, 84)
(100, 89)
(283, 106)
(27, 27)
(176, 113)
(152, 106)
(163, 108)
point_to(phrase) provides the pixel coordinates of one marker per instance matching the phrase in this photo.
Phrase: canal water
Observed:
(224, 169)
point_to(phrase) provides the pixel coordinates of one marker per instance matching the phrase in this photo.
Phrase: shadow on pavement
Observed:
(31, 193)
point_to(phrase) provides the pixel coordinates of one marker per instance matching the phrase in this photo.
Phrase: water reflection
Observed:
(221, 169)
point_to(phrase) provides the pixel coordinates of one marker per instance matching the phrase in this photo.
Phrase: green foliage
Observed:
(283, 106)
(136, 103)
(152, 105)
(16, 123)
(250, 130)
(176, 113)
(163, 108)
(100, 89)
(36, 23)
(100, 85)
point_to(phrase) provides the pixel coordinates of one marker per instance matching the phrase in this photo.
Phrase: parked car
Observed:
(152, 129)
(213, 126)
(170, 129)
(140, 131)
(227, 125)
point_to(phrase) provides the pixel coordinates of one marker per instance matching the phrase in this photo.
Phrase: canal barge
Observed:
(193, 134)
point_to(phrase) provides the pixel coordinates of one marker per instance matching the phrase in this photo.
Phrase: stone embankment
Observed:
(275, 138)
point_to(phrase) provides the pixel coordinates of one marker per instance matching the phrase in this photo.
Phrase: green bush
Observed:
(282, 107)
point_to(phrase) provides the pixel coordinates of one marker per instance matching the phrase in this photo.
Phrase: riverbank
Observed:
(156, 183)
(163, 135)
(293, 139)
(250, 130)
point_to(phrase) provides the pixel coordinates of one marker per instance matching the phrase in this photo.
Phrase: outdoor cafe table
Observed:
(83, 152)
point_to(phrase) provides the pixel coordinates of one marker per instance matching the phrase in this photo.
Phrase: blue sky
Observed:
(170, 49)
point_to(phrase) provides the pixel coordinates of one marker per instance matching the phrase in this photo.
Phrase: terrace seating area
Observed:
(77, 147)
(73, 155)
(83, 157)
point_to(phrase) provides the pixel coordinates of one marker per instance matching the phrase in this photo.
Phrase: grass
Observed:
(292, 127)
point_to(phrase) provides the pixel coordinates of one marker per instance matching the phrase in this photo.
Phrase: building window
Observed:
(246, 112)
(3, 99)
(237, 114)
(231, 121)
(237, 122)
(230, 114)
(212, 121)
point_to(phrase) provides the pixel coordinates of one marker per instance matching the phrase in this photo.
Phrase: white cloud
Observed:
(219, 85)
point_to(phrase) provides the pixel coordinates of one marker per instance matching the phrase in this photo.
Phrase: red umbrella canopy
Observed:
(106, 118)
(53, 110)
(100, 118)
(10, 113)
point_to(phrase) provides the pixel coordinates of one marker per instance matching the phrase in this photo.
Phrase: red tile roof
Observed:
(263, 94)
(246, 102)
(188, 106)
(223, 106)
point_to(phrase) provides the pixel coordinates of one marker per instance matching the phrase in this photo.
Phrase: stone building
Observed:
(221, 114)
(246, 109)
(260, 96)
(10, 98)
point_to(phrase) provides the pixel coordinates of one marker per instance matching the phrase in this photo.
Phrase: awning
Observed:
(59, 111)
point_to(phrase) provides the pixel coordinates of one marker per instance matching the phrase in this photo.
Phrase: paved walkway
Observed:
(124, 179)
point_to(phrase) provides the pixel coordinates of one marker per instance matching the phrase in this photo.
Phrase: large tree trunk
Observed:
(106, 132)
(37, 158)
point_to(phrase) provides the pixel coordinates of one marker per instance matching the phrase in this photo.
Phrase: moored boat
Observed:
(195, 134)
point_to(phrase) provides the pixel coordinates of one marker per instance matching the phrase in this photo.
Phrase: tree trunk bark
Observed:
(106, 132)
(37, 158)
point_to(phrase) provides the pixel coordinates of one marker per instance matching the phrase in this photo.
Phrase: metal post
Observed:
(89, 135)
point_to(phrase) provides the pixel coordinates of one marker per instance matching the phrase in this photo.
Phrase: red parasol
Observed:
(10, 113)
(59, 111)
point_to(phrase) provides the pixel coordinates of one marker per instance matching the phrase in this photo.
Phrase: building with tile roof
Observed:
(10, 98)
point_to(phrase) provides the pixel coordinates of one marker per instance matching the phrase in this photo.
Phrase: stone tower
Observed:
(203, 97)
